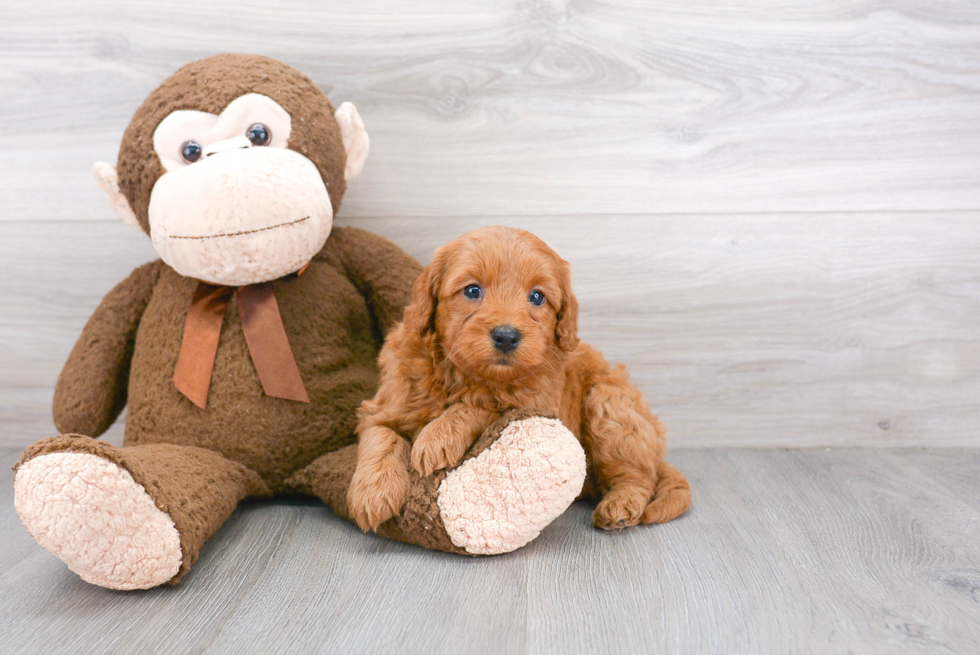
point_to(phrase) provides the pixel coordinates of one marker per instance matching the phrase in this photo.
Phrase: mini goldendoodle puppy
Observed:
(493, 326)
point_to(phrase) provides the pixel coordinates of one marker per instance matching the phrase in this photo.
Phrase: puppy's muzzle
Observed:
(505, 338)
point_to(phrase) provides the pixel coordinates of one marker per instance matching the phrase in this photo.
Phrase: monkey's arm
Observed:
(380, 270)
(91, 390)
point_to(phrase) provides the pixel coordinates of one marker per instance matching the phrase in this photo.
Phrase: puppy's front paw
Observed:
(377, 493)
(620, 509)
(436, 449)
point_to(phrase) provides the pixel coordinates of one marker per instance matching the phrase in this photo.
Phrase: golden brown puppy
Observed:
(493, 326)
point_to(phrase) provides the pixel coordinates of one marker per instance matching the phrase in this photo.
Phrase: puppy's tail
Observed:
(671, 498)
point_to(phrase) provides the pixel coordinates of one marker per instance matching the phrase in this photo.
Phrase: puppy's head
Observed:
(500, 303)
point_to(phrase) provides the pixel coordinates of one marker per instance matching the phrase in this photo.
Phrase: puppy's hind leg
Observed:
(671, 498)
(626, 444)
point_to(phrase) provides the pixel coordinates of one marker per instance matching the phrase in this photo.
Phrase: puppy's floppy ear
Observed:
(566, 329)
(420, 315)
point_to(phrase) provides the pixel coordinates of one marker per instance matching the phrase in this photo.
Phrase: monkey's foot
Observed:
(501, 497)
(92, 514)
(519, 476)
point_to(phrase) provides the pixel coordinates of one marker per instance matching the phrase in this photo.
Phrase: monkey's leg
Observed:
(127, 518)
(519, 476)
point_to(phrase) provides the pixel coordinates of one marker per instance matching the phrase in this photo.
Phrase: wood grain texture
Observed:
(538, 106)
(741, 330)
(800, 551)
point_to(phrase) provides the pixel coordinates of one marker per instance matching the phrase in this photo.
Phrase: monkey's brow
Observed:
(238, 234)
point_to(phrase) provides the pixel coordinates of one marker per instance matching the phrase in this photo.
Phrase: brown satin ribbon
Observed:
(267, 343)
(264, 334)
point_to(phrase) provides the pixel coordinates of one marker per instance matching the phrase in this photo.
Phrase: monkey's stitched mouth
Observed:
(238, 234)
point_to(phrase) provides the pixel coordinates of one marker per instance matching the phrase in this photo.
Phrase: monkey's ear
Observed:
(356, 141)
(108, 179)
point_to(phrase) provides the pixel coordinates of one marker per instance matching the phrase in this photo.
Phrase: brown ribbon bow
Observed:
(264, 334)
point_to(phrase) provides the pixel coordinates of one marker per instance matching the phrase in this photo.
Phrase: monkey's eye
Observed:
(536, 297)
(190, 151)
(473, 292)
(259, 135)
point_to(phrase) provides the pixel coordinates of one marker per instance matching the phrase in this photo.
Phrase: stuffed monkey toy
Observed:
(244, 352)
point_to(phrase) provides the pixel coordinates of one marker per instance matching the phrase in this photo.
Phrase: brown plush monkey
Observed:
(244, 352)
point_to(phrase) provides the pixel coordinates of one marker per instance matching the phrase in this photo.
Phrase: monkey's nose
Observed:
(505, 338)
(235, 143)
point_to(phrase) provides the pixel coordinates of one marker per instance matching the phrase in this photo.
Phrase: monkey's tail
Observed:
(671, 498)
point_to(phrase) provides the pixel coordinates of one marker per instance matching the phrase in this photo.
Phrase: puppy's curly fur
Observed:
(446, 375)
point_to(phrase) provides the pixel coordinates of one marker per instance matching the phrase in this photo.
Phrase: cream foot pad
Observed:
(501, 499)
(94, 516)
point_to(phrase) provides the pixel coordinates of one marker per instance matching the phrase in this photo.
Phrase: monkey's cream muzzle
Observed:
(242, 215)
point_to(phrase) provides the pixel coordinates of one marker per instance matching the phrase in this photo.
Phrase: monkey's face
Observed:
(235, 205)
(235, 166)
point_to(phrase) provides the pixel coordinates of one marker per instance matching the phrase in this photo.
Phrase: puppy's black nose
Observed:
(505, 338)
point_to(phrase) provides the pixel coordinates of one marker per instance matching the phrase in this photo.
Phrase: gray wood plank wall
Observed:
(772, 210)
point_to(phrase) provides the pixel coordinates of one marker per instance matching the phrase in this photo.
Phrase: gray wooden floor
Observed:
(784, 551)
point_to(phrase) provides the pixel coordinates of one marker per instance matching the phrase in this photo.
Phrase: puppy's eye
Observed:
(190, 151)
(259, 135)
(536, 298)
(473, 292)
